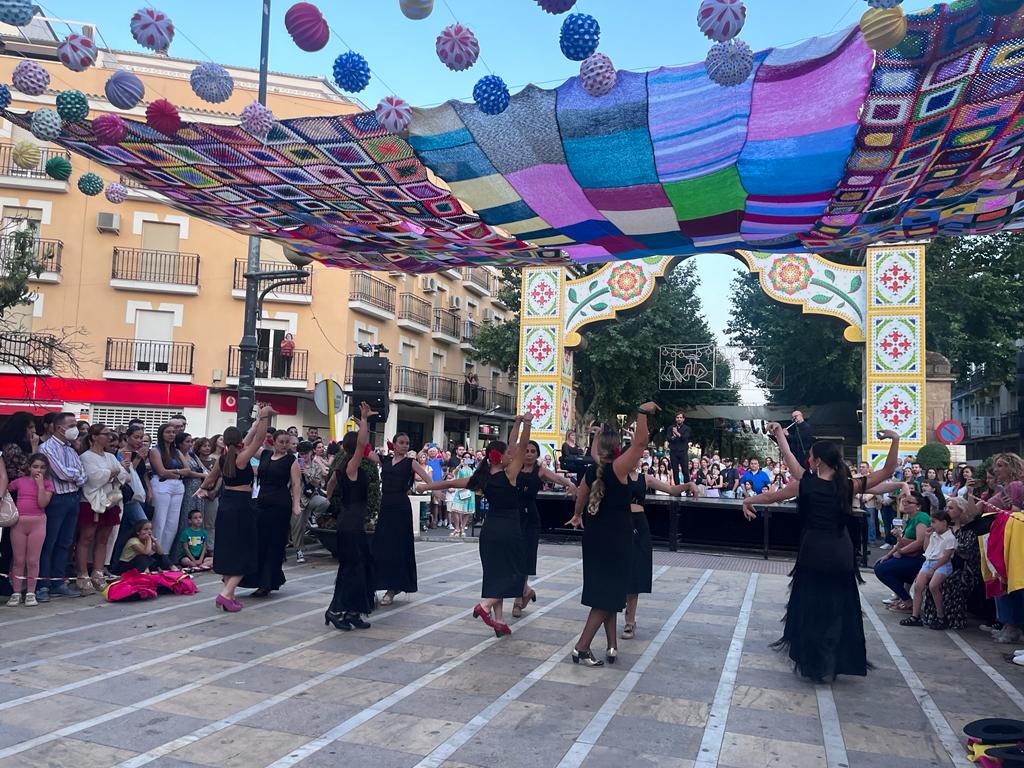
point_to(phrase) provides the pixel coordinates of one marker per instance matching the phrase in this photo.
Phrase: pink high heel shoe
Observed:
(229, 605)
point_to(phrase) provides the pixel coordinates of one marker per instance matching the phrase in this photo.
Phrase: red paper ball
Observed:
(109, 129)
(163, 116)
(307, 27)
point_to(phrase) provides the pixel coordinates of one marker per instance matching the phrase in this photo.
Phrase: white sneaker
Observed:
(30, 599)
(300, 556)
(15, 600)
(1019, 661)
(1019, 652)
(885, 547)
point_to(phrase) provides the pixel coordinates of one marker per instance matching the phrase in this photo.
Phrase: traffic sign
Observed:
(320, 397)
(950, 432)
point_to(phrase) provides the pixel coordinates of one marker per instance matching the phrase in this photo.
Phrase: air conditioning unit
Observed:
(108, 222)
(455, 303)
(428, 284)
(489, 316)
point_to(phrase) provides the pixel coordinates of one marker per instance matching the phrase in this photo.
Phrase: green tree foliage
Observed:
(934, 456)
(497, 344)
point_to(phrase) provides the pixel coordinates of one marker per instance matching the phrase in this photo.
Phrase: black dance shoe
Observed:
(338, 620)
(586, 658)
(356, 621)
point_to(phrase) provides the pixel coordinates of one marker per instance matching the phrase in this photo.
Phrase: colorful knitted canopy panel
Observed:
(825, 147)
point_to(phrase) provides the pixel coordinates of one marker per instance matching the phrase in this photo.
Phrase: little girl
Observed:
(463, 504)
(33, 494)
(937, 566)
(143, 552)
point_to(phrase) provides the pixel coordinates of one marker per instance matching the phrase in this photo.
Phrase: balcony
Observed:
(285, 294)
(503, 403)
(981, 427)
(46, 252)
(24, 352)
(446, 326)
(475, 399)
(467, 334)
(413, 313)
(156, 360)
(371, 296)
(273, 370)
(411, 385)
(137, 269)
(477, 280)
(33, 178)
(444, 392)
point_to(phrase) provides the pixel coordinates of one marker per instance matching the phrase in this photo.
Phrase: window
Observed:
(436, 363)
(407, 353)
(154, 330)
(160, 236)
(270, 363)
(364, 336)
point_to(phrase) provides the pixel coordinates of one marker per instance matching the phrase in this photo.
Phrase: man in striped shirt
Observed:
(68, 476)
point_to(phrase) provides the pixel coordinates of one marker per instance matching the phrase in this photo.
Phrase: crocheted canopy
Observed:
(826, 146)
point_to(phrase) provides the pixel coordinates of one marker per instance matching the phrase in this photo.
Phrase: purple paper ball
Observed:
(30, 78)
(124, 90)
(556, 6)
(116, 193)
(257, 119)
(211, 82)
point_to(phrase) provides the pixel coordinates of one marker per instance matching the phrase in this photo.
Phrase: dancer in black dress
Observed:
(394, 546)
(278, 501)
(353, 587)
(824, 629)
(642, 573)
(607, 534)
(501, 538)
(235, 555)
(531, 480)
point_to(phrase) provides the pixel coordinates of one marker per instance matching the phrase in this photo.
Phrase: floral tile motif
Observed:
(897, 407)
(539, 399)
(895, 344)
(565, 409)
(895, 272)
(616, 287)
(540, 349)
(541, 295)
(567, 363)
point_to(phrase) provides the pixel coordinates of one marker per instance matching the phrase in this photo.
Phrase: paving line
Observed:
(178, 605)
(936, 719)
(831, 729)
(587, 740)
(213, 642)
(718, 717)
(74, 728)
(460, 738)
(315, 745)
(1001, 682)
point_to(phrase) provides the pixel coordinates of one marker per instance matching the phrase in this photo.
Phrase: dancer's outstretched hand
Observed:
(575, 522)
(748, 509)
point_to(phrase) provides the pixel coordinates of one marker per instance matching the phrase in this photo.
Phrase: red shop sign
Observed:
(286, 405)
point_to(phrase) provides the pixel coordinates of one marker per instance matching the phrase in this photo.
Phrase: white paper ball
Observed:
(598, 75)
(394, 114)
(730, 63)
(46, 124)
(721, 20)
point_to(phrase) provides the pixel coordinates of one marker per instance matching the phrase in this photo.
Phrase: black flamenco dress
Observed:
(641, 575)
(607, 545)
(273, 511)
(501, 540)
(824, 629)
(353, 587)
(529, 485)
(394, 548)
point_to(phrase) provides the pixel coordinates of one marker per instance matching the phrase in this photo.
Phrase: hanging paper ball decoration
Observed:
(491, 94)
(457, 47)
(729, 63)
(1001, 7)
(597, 75)
(394, 114)
(46, 124)
(416, 9)
(163, 116)
(58, 168)
(721, 20)
(152, 29)
(884, 3)
(90, 184)
(115, 193)
(307, 27)
(5, 96)
(26, 155)
(77, 52)
(580, 36)
(257, 119)
(211, 82)
(72, 105)
(109, 129)
(351, 72)
(556, 6)
(883, 28)
(124, 90)
(17, 13)
(30, 78)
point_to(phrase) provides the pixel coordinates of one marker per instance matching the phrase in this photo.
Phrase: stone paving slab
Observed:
(429, 685)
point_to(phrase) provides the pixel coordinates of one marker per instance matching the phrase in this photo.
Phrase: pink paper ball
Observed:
(116, 193)
(721, 20)
(457, 47)
(307, 27)
(109, 129)
(152, 29)
(30, 78)
(257, 119)
(163, 116)
(77, 52)
(394, 114)
(598, 75)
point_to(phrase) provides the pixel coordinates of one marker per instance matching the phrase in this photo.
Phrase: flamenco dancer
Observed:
(641, 575)
(824, 629)
(353, 587)
(607, 535)
(501, 538)
(531, 479)
(394, 548)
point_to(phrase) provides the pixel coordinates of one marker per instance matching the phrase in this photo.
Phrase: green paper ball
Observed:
(1001, 7)
(58, 168)
(72, 105)
(90, 184)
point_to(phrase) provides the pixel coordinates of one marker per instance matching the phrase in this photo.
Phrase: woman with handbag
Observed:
(100, 508)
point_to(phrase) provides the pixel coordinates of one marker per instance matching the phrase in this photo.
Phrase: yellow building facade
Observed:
(158, 295)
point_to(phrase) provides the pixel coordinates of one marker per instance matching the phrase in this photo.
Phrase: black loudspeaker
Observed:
(371, 377)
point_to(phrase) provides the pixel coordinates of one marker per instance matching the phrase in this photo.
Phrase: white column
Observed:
(474, 432)
(391, 425)
(438, 432)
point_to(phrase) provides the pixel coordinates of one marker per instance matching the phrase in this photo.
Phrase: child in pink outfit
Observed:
(33, 494)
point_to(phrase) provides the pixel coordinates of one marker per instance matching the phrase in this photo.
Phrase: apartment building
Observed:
(990, 415)
(158, 295)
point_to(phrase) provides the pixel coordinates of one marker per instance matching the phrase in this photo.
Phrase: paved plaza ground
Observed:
(171, 683)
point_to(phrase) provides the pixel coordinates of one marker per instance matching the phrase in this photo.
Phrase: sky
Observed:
(518, 41)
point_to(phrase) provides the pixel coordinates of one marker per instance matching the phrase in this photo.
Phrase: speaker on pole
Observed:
(371, 377)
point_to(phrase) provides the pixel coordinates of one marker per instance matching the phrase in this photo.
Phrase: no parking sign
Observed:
(950, 432)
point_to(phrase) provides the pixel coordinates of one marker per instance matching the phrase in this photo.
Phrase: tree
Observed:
(497, 343)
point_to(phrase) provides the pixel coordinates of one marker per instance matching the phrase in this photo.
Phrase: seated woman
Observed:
(959, 585)
(899, 566)
(143, 552)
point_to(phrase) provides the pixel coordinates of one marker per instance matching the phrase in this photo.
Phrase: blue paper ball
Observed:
(211, 82)
(5, 97)
(580, 36)
(16, 12)
(124, 90)
(491, 94)
(351, 72)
